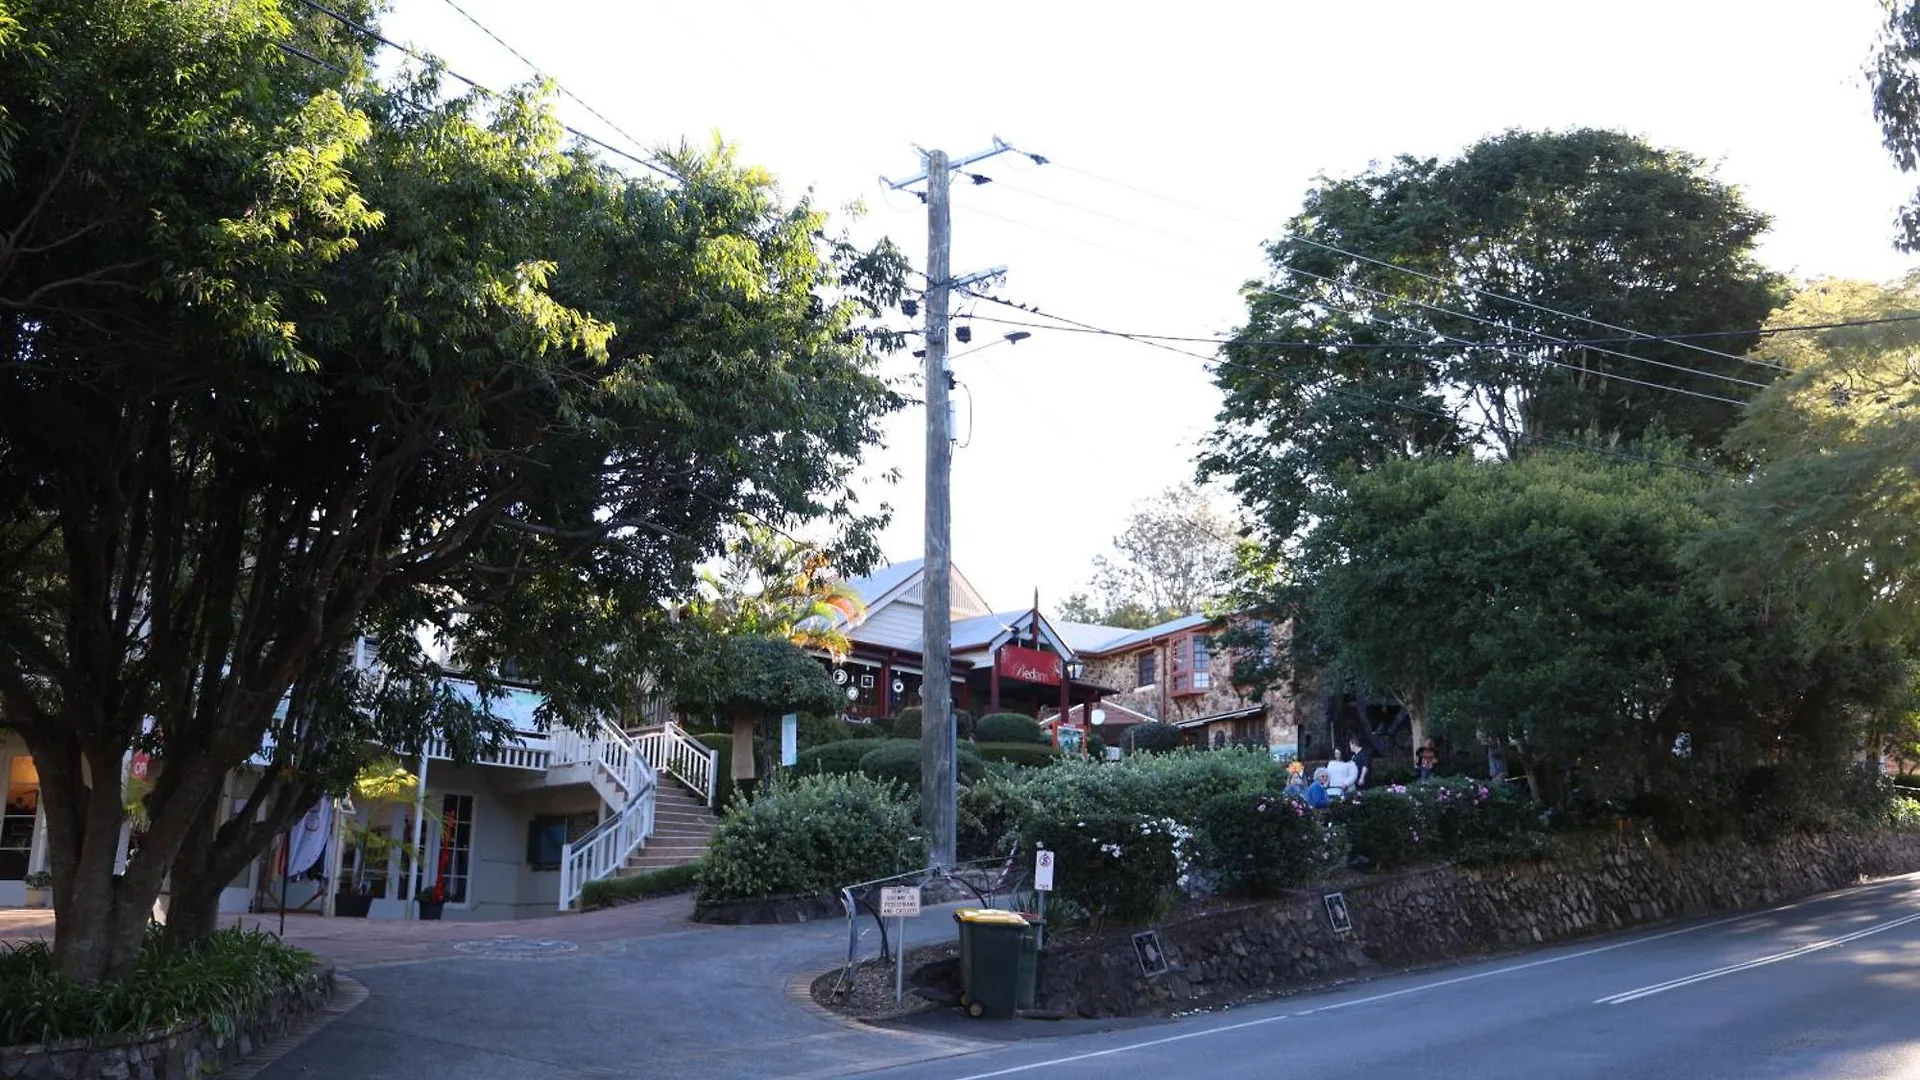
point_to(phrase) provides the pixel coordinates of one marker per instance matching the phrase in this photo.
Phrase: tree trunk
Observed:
(744, 750)
(193, 903)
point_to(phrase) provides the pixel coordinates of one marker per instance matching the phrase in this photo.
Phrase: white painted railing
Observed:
(608, 846)
(521, 754)
(669, 749)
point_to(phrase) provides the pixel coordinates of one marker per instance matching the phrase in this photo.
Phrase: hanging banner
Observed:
(1028, 665)
(790, 740)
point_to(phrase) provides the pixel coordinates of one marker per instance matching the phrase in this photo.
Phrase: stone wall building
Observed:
(1177, 673)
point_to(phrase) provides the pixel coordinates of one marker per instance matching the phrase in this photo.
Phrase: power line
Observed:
(436, 63)
(1389, 297)
(1635, 334)
(535, 68)
(1351, 394)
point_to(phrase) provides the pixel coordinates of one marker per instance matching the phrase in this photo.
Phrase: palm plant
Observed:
(771, 585)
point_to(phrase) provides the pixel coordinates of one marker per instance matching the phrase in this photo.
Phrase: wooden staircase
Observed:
(682, 825)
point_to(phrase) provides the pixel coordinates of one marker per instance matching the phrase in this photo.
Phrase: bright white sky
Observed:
(1233, 106)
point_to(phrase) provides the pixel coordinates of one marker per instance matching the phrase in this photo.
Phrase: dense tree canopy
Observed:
(1392, 278)
(1548, 603)
(1831, 519)
(290, 356)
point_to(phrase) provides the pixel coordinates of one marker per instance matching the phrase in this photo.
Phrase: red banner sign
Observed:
(1028, 665)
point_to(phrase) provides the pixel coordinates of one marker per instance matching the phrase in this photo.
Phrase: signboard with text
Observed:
(899, 902)
(1043, 871)
(1028, 665)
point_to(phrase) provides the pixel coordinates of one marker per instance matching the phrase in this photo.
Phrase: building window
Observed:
(451, 853)
(1147, 673)
(22, 792)
(1192, 664)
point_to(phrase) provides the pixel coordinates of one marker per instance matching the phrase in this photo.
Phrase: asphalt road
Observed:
(1826, 988)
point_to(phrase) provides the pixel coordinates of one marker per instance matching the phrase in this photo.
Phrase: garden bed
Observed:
(205, 1013)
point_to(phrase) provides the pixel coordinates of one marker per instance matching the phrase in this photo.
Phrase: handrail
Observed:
(670, 749)
(607, 846)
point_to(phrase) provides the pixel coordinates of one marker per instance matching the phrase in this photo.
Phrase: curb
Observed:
(348, 994)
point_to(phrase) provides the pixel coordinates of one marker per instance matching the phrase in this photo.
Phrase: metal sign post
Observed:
(1042, 885)
(900, 903)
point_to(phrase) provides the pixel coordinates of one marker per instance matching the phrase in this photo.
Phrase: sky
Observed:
(1180, 137)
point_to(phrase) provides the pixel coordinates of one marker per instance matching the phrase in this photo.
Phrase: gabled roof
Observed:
(884, 580)
(1141, 637)
(1088, 637)
(1118, 715)
(902, 579)
(1230, 714)
(981, 630)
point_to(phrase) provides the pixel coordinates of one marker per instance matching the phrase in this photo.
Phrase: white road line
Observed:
(1747, 965)
(1422, 988)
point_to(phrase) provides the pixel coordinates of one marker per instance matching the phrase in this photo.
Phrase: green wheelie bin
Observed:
(998, 960)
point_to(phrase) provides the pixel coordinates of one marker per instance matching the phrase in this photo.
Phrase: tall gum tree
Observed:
(290, 356)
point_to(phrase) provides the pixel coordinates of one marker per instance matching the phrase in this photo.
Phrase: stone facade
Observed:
(1256, 949)
(1279, 726)
(186, 1052)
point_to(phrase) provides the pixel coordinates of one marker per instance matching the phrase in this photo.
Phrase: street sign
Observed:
(899, 902)
(1043, 871)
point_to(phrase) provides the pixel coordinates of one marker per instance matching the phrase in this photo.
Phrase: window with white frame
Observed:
(449, 853)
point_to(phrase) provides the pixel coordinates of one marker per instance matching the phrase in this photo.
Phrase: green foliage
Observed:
(226, 975)
(834, 757)
(1116, 867)
(906, 723)
(810, 836)
(1894, 76)
(1551, 218)
(1009, 728)
(723, 786)
(1258, 843)
(1904, 814)
(819, 729)
(769, 584)
(1473, 821)
(1018, 753)
(1173, 556)
(1152, 738)
(898, 761)
(614, 891)
(1381, 827)
(760, 676)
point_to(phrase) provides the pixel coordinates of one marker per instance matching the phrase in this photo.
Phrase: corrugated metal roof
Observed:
(884, 580)
(1231, 714)
(1141, 637)
(1087, 637)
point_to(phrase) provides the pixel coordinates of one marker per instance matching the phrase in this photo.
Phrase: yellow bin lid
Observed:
(989, 915)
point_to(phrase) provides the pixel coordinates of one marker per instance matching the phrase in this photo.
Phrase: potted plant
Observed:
(433, 901)
(39, 889)
(380, 787)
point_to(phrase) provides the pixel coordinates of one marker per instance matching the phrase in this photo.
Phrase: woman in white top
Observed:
(1341, 775)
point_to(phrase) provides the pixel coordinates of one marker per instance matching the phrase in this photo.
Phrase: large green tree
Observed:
(1595, 224)
(1549, 603)
(1174, 556)
(289, 356)
(1830, 521)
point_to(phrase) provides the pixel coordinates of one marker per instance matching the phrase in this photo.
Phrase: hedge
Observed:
(906, 723)
(1009, 728)
(1114, 867)
(898, 760)
(810, 836)
(1152, 738)
(836, 757)
(614, 891)
(1259, 843)
(1018, 753)
(723, 764)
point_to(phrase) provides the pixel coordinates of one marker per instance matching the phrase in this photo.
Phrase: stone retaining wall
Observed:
(1421, 917)
(188, 1052)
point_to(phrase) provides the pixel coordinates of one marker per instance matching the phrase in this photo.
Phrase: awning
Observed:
(1235, 714)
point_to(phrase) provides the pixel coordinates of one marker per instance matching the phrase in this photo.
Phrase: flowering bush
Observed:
(1382, 825)
(1115, 867)
(1476, 821)
(1904, 814)
(811, 836)
(1257, 843)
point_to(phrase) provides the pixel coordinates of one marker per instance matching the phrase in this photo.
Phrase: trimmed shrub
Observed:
(1116, 868)
(1009, 728)
(817, 730)
(1153, 738)
(1258, 843)
(614, 891)
(898, 760)
(723, 766)
(1475, 821)
(835, 757)
(810, 836)
(906, 723)
(1017, 753)
(232, 971)
(1382, 827)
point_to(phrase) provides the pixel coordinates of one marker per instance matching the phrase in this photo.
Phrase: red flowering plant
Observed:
(435, 893)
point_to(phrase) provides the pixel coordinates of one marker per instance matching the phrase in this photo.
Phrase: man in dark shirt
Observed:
(1362, 760)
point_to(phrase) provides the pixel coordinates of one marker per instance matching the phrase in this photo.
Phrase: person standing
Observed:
(1426, 761)
(1341, 774)
(1362, 765)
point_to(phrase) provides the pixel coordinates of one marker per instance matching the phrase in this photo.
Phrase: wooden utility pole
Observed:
(938, 810)
(938, 794)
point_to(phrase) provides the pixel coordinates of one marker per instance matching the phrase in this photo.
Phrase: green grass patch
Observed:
(614, 891)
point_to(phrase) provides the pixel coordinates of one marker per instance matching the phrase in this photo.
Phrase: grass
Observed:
(614, 891)
(228, 975)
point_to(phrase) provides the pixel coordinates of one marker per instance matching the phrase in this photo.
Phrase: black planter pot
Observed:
(352, 905)
(430, 910)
